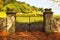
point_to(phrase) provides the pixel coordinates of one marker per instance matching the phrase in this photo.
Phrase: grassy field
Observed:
(56, 16)
(3, 15)
(25, 17)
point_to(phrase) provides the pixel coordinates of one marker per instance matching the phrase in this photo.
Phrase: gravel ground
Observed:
(31, 36)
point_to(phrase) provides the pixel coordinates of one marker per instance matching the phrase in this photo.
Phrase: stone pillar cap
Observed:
(10, 12)
(47, 11)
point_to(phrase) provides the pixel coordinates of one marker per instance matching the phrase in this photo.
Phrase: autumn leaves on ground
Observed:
(29, 36)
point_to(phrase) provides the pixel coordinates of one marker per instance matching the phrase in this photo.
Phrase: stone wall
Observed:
(3, 24)
(56, 26)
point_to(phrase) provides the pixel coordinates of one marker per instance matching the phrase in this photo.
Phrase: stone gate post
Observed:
(47, 15)
(11, 16)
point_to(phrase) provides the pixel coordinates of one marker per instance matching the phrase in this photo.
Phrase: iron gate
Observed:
(29, 23)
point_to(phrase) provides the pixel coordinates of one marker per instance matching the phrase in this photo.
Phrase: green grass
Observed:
(2, 14)
(30, 14)
(56, 15)
(24, 19)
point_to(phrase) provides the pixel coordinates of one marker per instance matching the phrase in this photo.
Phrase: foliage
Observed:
(1, 4)
(10, 1)
(41, 9)
(20, 7)
(2, 15)
(35, 8)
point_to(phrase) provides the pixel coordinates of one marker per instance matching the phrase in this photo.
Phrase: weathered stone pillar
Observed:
(47, 15)
(11, 22)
